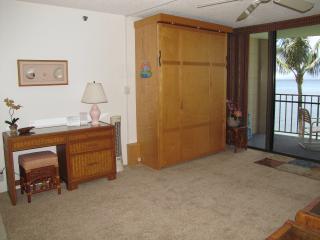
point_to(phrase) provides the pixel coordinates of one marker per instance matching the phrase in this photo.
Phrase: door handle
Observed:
(159, 59)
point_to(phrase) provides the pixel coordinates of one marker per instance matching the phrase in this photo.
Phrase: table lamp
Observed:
(94, 94)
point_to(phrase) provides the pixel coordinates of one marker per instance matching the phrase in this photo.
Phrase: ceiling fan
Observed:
(297, 5)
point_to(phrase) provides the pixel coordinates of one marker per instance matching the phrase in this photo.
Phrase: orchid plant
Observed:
(12, 108)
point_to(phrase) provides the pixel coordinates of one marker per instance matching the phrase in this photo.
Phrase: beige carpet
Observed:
(225, 196)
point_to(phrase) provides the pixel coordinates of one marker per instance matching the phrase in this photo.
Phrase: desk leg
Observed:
(111, 176)
(8, 155)
(72, 186)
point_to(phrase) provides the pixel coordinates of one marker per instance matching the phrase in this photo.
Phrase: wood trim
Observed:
(243, 66)
(181, 21)
(133, 151)
(190, 63)
(274, 26)
(170, 62)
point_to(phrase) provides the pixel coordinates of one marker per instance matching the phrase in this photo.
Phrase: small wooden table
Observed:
(310, 215)
(238, 137)
(84, 153)
(291, 230)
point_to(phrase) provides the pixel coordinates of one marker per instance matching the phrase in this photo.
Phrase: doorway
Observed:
(258, 90)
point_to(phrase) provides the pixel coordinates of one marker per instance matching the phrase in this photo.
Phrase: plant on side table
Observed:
(12, 108)
(234, 114)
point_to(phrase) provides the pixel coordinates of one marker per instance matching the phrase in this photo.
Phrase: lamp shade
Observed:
(94, 93)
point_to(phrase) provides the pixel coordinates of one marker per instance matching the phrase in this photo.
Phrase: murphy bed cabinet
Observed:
(181, 106)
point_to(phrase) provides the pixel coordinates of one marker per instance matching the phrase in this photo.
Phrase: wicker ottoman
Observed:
(39, 172)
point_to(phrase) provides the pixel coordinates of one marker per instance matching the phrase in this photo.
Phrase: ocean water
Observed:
(289, 86)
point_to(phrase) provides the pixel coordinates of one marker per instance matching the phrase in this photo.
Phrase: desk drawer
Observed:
(91, 134)
(91, 145)
(35, 142)
(92, 164)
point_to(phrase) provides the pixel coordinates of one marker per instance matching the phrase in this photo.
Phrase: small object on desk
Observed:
(73, 121)
(25, 130)
(84, 120)
(238, 137)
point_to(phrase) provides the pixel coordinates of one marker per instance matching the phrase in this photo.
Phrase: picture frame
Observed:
(42, 72)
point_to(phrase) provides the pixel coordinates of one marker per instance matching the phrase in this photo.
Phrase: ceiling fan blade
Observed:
(216, 3)
(249, 10)
(297, 5)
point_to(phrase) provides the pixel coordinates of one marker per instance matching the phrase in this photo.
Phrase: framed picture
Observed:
(42, 72)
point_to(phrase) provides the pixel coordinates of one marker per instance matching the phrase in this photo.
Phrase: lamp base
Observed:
(95, 114)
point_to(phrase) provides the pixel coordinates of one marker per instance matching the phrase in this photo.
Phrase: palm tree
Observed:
(297, 56)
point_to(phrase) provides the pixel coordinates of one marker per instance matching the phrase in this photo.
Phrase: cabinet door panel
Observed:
(195, 142)
(170, 97)
(219, 48)
(195, 46)
(195, 90)
(169, 42)
(171, 148)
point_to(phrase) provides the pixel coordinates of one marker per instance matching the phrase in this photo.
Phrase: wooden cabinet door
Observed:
(192, 93)
(196, 93)
(170, 99)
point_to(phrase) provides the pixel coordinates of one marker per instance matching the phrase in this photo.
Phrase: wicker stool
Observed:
(39, 172)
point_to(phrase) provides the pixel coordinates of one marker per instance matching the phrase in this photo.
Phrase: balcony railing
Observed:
(286, 112)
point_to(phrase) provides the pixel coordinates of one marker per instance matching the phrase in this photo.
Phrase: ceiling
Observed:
(222, 14)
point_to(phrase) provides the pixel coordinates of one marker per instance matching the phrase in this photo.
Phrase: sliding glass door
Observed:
(284, 92)
(297, 92)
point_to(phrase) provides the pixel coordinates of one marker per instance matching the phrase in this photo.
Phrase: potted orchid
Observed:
(234, 114)
(12, 107)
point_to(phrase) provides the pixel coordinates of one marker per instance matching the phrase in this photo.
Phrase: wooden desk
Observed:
(85, 152)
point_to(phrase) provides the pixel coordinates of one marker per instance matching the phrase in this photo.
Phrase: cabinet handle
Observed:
(181, 105)
(159, 58)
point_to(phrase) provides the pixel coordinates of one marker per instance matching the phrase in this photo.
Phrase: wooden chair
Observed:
(39, 172)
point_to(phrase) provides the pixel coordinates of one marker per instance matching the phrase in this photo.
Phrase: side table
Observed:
(238, 137)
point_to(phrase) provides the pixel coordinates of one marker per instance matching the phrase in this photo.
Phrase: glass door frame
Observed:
(272, 42)
(238, 46)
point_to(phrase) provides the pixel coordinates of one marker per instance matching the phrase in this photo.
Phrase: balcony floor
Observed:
(288, 145)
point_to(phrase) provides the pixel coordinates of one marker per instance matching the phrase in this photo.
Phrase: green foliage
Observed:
(11, 123)
(297, 56)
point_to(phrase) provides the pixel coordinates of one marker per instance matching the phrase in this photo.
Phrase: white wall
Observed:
(96, 51)
(131, 76)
